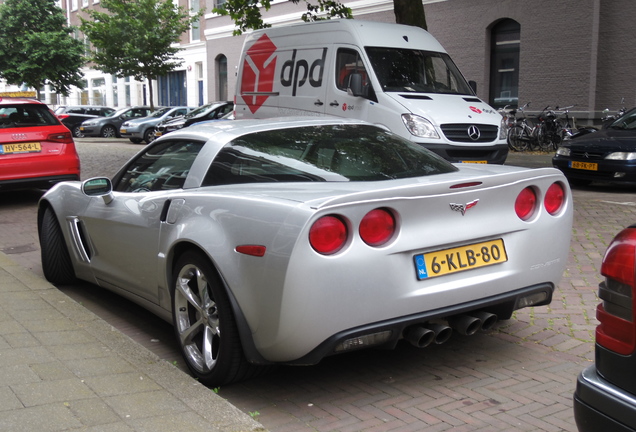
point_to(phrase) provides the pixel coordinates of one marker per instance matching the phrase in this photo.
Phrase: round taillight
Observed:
(377, 227)
(526, 203)
(554, 198)
(328, 235)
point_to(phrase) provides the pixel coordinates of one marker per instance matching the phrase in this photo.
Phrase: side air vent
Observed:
(472, 100)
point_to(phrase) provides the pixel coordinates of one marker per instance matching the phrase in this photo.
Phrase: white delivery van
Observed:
(392, 75)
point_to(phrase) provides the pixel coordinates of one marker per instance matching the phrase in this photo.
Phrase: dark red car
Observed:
(36, 150)
(605, 397)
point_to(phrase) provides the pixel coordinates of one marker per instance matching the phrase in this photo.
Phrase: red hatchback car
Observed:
(36, 150)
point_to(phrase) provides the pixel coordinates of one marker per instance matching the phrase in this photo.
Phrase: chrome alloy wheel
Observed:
(196, 319)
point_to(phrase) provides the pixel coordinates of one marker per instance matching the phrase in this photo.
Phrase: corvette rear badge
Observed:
(462, 208)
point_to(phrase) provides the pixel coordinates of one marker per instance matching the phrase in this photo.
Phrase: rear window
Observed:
(22, 116)
(322, 153)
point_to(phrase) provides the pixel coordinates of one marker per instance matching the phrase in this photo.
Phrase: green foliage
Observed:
(38, 47)
(136, 37)
(246, 14)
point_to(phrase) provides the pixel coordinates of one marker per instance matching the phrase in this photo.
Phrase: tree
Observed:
(38, 47)
(246, 14)
(137, 37)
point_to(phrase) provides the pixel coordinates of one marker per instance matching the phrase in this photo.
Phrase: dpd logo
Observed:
(258, 73)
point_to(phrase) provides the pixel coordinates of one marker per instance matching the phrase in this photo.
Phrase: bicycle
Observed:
(523, 135)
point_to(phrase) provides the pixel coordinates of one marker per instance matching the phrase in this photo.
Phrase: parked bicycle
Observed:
(523, 135)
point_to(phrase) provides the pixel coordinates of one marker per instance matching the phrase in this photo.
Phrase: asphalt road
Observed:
(518, 376)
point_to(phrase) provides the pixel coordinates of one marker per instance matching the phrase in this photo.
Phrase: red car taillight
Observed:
(617, 329)
(328, 235)
(60, 137)
(554, 198)
(526, 203)
(377, 227)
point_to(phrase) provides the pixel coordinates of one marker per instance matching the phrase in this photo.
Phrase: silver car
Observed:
(288, 240)
(143, 129)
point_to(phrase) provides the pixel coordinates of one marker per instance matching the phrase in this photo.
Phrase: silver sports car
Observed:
(288, 240)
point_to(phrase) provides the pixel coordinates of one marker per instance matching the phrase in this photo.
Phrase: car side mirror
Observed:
(99, 187)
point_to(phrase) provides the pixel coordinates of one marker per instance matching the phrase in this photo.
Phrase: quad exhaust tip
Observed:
(422, 335)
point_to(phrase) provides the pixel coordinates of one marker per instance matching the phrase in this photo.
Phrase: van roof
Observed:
(366, 33)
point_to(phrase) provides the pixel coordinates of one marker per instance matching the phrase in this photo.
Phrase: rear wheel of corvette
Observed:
(56, 261)
(204, 323)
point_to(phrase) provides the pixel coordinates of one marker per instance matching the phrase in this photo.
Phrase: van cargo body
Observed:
(395, 76)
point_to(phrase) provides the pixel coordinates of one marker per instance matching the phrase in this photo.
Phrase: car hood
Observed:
(447, 108)
(605, 140)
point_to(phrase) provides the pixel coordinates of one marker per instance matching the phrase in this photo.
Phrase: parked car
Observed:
(211, 111)
(605, 396)
(289, 240)
(36, 150)
(143, 129)
(608, 155)
(108, 127)
(73, 116)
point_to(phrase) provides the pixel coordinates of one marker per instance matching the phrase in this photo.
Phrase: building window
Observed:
(221, 77)
(195, 32)
(504, 64)
(84, 3)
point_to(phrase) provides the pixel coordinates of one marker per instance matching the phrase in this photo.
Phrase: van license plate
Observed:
(27, 147)
(448, 261)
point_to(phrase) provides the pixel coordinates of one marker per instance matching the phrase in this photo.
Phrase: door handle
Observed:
(334, 104)
(318, 102)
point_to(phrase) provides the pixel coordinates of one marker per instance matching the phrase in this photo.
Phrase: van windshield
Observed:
(415, 71)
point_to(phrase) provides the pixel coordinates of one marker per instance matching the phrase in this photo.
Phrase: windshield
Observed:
(322, 153)
(200, 110)
(626, 121)
(160, 112)
(415, 71)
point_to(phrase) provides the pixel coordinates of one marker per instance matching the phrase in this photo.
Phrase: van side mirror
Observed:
(355, 87)
(473, 85)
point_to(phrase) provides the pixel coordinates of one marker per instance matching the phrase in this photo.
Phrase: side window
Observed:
(161, 167)
(348, 62)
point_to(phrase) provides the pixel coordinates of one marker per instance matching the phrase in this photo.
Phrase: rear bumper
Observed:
(601, 406)
(36, 182)
(501, 305)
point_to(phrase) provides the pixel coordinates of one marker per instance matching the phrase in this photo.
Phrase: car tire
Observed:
(56, 261)
(108, 131)
(204, 323)
(135, 140)
(77, 133)
(149, 135)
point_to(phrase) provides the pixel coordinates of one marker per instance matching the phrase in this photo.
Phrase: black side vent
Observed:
(472, 100)
(415, 96)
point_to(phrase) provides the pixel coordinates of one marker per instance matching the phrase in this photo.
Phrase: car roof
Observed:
(235, 128)
(20, 101)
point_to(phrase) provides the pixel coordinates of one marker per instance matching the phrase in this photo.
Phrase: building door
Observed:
(504, 64)
(172, 89)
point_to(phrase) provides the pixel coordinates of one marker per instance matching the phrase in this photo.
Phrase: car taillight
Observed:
(60, 137)
(525, 203)
(377, 227)
(617, 329)
(554, 198)
(62, 116)
(328, 235)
